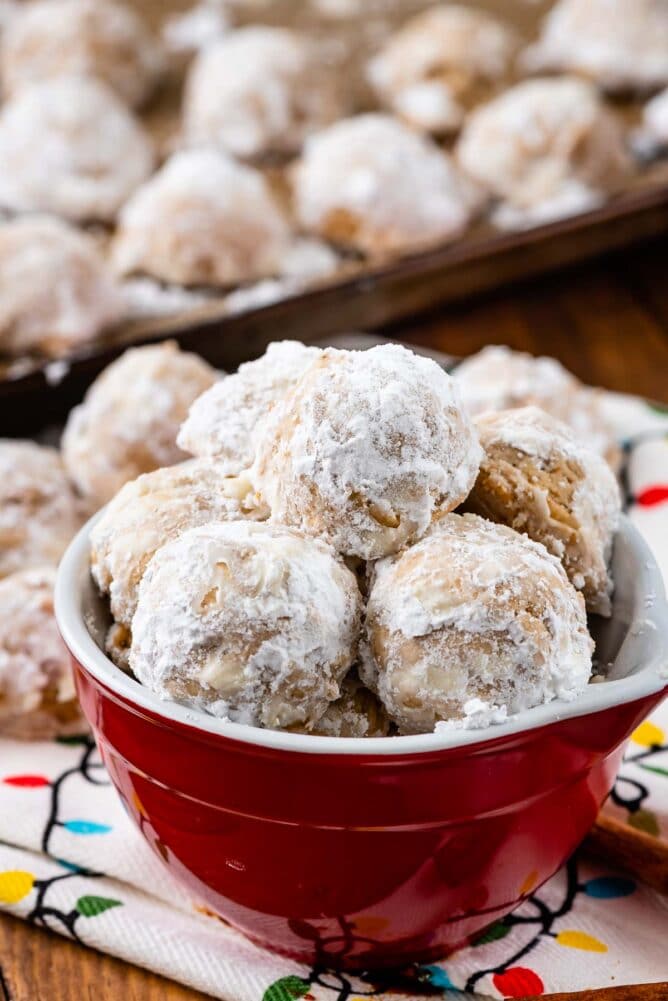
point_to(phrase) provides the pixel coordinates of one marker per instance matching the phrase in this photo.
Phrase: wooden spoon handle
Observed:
(633, 992)
(637, 853)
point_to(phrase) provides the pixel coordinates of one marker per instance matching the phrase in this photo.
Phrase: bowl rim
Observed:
(649, 680)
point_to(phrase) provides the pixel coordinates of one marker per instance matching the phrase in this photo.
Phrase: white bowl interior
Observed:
(631, 654)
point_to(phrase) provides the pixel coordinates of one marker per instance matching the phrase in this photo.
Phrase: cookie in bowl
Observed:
(151, 511)
(538, 478)
(252, 622)
(367, 448)
(224, 423)
(356, 713)
(474, 623)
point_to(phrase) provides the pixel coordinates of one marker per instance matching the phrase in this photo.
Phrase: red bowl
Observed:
(368, 853)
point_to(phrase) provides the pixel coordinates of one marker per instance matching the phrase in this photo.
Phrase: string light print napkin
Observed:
(71, 861)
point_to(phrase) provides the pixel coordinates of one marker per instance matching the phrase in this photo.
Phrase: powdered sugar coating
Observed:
(8, 11)
(437, 63)
(548, 148)
(619, 44)
(307, 260)
(130, 416)
(248, 621)
(538, 478)
(372, 184)
(474, 614)
(39, 511)
(258, 90)
(145, 297)
(152, 510)
(99, 38)
(196, 27)
(37, 697)
(655, 118)
(55, 291)
(203, 219)
(497, 378)
(224, 423)
(366, 449)
(70, 147)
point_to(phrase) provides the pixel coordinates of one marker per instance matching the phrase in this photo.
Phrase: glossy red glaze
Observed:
(359, 861)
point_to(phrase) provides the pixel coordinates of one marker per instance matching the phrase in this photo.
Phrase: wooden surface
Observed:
(621, 846)
(608, 322)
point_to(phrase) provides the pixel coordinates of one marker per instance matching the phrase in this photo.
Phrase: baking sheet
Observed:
(365, 294)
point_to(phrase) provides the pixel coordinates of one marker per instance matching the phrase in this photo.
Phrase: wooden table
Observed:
(608, 323)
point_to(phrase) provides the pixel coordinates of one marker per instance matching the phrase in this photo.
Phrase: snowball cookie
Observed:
(249, 621)
(39, 511)
(55, 291)
(224, 423)
(37, 697)
(356, 713)
(150, 511)
(372, 184)
(498, 378)
(536, 477)
(471, 624)
(619, 44)
(546, 148)
(54, 38)
(655, 119)
(203, 219)
(366, 449)
(130, 416)
(440, 63)
(8, 10)
(258, 91)
(70, 147)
